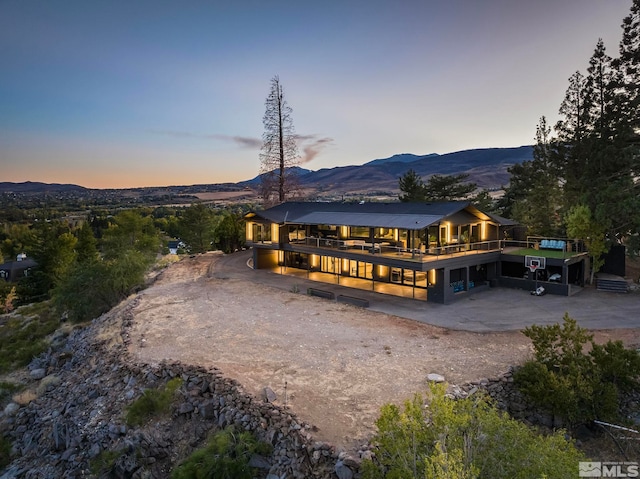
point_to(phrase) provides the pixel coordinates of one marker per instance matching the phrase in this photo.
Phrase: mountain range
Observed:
(486, 167)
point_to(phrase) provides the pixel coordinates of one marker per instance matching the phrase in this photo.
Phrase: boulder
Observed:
(268, 395)
(38, 373)
(435, 378)
(11, 409)
(342, 471)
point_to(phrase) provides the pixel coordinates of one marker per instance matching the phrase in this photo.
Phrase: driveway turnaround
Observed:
(497, 309)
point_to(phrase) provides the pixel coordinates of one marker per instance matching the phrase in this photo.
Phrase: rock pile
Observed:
(508, 398)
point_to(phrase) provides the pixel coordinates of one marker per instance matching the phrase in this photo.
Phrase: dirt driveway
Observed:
(339, 363)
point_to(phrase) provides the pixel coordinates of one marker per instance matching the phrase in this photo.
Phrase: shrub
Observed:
(153, 402)
(464, 439)
(23, 335)
(225, 456)
(103, 463)
(5, 452)
(8, 388)
(572, 384)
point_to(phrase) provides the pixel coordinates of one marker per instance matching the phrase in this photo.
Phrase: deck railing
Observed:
(386, 248)
(537, 243)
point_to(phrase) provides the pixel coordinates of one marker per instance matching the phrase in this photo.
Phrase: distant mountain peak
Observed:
(38, 187)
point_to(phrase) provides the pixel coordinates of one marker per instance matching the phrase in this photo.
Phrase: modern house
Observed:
(429, 251)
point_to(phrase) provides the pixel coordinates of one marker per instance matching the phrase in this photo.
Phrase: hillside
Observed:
(486, 167)
(38, 187)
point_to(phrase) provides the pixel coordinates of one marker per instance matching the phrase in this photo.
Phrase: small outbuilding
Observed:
(18, 269)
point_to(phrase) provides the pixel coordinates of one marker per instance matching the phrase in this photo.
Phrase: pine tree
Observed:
(279, 149)
(571, 132)
(628, 68)
(411, 187)
(534, 189)
(448, 187)
(600, 158)
(599, 88)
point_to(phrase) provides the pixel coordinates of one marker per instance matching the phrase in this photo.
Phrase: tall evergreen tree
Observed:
(594, 160)
(571, 130)
(230, 232)
(448, 187)
(197, 226)
(86, 247)
(573, 109)
(628, 67)
(411, 187)
(599, 87)
(534, 188)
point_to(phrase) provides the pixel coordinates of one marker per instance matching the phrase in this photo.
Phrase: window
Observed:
(261, 232)
(385, 233)
(359, 232)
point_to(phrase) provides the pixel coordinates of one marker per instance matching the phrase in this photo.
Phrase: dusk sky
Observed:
(116, 94)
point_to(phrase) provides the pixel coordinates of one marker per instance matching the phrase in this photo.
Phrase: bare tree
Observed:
(279, 149)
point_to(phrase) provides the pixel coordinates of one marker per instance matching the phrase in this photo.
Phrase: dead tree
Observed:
(279, 154)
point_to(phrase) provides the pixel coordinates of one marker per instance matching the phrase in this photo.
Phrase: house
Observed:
(18, 269)
(429, 251)
(173, 246)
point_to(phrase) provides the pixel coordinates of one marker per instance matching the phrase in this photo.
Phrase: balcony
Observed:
(389, 249)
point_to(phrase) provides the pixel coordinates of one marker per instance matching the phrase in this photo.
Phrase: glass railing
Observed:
(391, 248)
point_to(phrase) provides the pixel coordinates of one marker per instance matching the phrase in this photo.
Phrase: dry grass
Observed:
(25, 397)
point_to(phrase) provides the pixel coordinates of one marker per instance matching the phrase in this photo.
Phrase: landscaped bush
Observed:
(153, 402)
(226, 456)
(464, 439)
(575, 385)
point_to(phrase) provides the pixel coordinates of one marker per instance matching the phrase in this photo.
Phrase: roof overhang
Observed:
(410, 222)
(410, 216)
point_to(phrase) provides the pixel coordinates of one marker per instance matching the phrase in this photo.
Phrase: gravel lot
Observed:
(339, 363)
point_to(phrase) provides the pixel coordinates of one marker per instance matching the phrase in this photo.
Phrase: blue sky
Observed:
(114, 94)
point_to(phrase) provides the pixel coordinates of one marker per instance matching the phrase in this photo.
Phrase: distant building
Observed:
(18, 269)
(173, 247)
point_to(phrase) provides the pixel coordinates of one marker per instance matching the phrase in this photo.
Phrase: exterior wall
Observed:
(437, 291)
(16, 270)
(438, 282)
(573, 270)
(264, 258)
(530, 285)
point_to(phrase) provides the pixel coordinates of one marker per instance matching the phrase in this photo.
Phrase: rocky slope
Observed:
(81, 387)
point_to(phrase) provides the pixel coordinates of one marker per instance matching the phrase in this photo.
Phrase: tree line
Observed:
(87, 269)
(583, 177)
